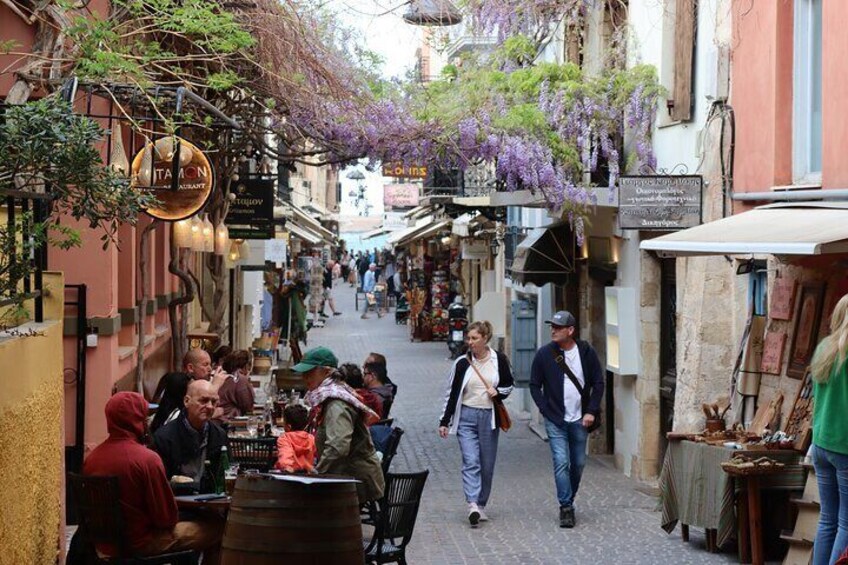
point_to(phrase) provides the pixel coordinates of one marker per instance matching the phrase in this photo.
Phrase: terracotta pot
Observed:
(715, 425)
(261, 365)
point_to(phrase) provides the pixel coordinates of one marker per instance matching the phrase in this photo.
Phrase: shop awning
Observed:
(374, 233)
(545, 256)
(318, 209)
(395, 237)
(303, 233)
(299, 216)
(427, 232)
(810, 228)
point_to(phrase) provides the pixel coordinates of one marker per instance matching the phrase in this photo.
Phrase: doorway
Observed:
(668, 348)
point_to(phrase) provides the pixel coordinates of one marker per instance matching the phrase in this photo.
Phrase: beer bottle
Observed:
(223, 467)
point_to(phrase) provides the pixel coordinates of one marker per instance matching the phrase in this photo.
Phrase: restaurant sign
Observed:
(153, 172)
(254, 202)
(400, 195)
(399, 170)
(659, 202)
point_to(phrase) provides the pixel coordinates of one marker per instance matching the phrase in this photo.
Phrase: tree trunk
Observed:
(179, 322)
(144, 274)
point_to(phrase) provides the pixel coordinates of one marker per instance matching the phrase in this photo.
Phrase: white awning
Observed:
(401, 234)
(374, 233)
(303, 233)
(426, 231)
(318, 209)
(294, 212)
(809, 228)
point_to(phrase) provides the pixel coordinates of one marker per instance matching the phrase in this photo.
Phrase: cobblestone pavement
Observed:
(616, 523)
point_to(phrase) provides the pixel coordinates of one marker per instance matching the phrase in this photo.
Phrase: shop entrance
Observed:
(668, 351)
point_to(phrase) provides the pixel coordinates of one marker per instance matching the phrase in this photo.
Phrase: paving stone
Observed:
(615, 522)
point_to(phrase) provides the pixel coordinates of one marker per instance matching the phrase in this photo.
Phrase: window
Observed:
(758, 288)
(807, 95)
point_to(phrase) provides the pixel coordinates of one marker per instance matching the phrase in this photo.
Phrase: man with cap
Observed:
(567, 385)
(341, 421)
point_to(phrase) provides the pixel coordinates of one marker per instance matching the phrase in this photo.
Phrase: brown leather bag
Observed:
(501, 413)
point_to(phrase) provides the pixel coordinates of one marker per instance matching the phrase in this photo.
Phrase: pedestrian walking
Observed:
(369, 282)
(567, 385)
(474, 382)
(830, 437)
(328, 291)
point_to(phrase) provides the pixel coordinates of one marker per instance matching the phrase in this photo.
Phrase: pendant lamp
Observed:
(197, 234)
(222, 239)
(432, 13)
(208, 235)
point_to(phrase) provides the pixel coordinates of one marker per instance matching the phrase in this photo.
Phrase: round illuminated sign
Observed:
(153, 172)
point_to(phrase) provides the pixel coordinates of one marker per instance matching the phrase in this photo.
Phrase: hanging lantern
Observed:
(432, 13)
(182, 233)
(233, 255)
(222, 239)
(196, 234)
(208, 235)
(244, 250)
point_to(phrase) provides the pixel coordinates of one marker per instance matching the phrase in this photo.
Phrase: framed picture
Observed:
(806, 333)
(783, 298)
(773, 347)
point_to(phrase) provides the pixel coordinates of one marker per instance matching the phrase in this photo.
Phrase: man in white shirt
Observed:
(567, 385)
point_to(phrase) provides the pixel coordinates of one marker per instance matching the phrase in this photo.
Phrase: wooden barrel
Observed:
(288, 380)
(274, 521)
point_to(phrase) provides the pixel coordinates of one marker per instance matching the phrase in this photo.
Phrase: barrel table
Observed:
(293, 520)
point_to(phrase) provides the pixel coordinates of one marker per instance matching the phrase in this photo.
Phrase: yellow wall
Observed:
(31, 442)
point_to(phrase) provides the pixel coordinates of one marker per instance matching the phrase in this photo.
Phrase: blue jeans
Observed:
(832, 477)
(478, 443)
(568, 449)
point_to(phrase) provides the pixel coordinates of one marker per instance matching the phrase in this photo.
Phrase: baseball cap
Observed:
(562, 318)
(316, 357)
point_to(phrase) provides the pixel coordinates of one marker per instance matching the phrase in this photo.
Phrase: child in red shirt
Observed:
(296, 447)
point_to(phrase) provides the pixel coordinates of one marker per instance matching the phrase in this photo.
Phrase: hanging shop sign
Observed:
(400, 196)
(399, 170)
(659, 202)
(253, 232)
(154, 169)
(475, 249)
(254, 202)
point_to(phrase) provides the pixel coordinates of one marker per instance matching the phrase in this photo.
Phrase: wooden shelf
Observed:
(791, 538)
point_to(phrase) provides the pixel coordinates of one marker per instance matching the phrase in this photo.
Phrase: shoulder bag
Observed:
(504, 421)
(584, 396)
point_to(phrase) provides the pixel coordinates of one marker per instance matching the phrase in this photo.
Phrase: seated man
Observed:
(147, 503)
(187, 442)
(374, 375)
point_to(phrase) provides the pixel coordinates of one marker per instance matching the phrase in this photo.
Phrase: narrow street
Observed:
(616, 523)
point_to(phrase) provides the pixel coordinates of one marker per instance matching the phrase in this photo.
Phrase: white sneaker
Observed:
(473, 514)
(483, 517)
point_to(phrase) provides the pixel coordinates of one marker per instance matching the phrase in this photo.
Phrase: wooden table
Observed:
(194, 501)
(752, 529)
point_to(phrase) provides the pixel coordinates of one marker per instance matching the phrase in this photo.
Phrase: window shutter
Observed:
(684, 51)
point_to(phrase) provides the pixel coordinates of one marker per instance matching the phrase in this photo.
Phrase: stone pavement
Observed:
(615, 522)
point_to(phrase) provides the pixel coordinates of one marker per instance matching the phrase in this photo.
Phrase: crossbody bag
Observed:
(584, 397)
(504, 421)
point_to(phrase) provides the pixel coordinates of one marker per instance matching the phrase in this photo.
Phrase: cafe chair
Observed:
(101, 522)
(397, 512)
(391, 448)
(253, 453)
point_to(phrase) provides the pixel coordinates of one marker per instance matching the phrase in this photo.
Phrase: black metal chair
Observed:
(397, 512)
(253, 453)
(391, 449)
(98, 508)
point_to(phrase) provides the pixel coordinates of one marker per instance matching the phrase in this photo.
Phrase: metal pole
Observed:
(792, 195)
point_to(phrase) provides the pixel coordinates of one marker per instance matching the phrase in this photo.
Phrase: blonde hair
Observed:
(483, 328)
(831, 351)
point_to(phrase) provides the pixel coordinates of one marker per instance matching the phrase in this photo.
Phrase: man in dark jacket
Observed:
(567, 385)
(147, 503)
(186, 443)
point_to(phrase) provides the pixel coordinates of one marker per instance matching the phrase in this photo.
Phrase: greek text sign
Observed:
(659, 202)
(254, 202)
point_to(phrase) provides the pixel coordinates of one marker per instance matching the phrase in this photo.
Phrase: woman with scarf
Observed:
(340, 420)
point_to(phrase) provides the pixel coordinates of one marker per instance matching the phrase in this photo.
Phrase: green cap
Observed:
(316, 357)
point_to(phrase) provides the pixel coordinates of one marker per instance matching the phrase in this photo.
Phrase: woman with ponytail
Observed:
(830, 437)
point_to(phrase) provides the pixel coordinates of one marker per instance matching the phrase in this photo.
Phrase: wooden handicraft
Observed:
(773, 347)
(806, 330)
(800, 423)
(783, 299)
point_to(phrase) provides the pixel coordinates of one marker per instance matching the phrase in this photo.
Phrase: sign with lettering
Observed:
(399, 170)
(659, 202)
(400, 195)
(153, 170)
(772, 359)
(254, 202)
(264, 231)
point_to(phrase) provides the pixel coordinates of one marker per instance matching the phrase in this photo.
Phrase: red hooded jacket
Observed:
(146, 498)
(296, 450)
